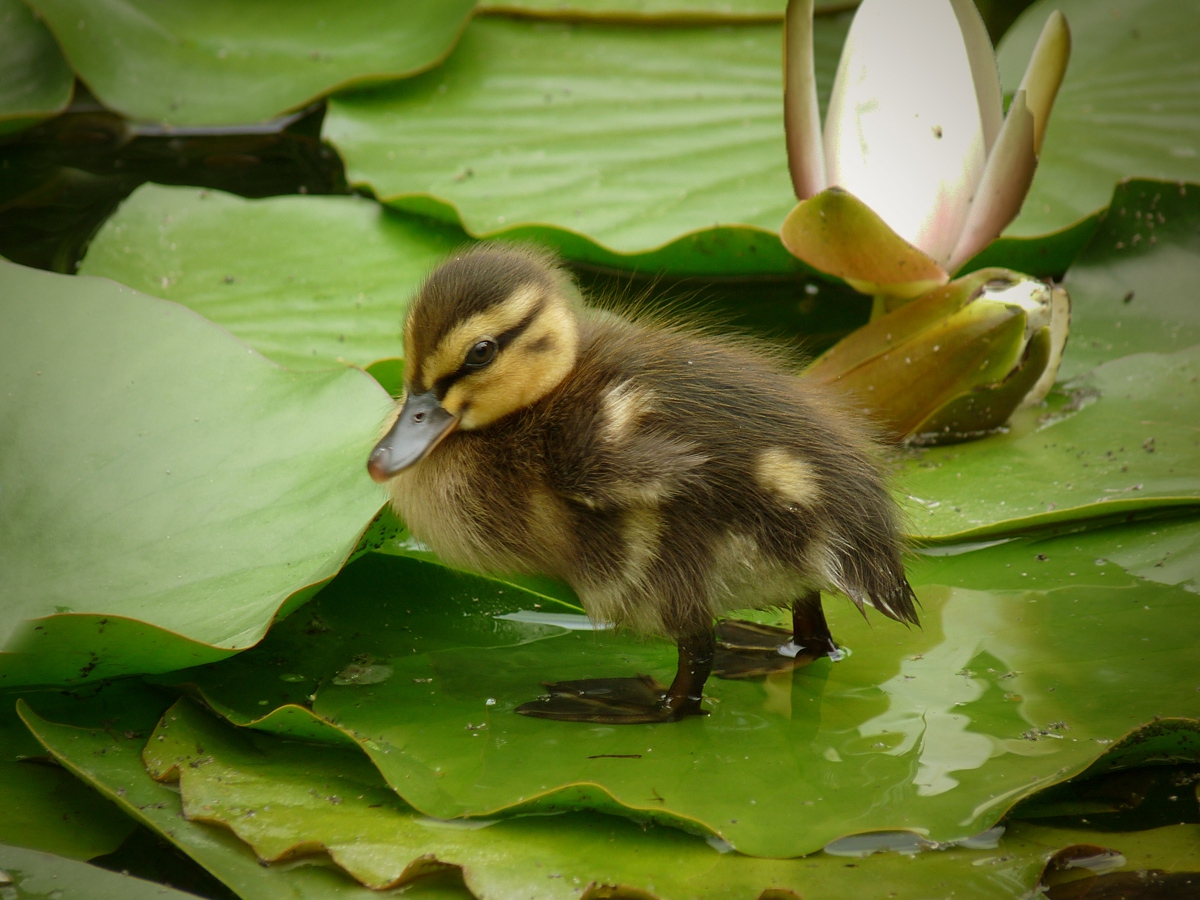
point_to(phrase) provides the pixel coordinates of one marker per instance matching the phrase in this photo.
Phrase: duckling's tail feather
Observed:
(885, 586)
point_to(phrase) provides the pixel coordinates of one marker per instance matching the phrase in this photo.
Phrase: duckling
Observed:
(669, 478)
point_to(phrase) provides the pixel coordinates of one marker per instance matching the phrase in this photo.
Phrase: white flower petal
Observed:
(801, 113)
(904, 131)
(984, 72)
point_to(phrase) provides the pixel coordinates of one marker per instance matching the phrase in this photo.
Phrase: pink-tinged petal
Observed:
(1045, 72)
(839, 234)
(801, 113)
(1006, 181)
(904, 131)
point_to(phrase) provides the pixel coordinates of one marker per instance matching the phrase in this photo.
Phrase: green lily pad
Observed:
(1044, 256)
(307, 281)
(42, 875)
(1128, 106)
(1134, 288)
(311, 648)
(955, 722)
(1122, 439)
(289, 787)
(164, 490)
(35, 80)
(108, 758)
(609, 143)
(45, 807)
(197, 63)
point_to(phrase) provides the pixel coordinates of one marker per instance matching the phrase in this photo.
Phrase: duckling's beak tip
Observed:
(421, 425)
(377, 468)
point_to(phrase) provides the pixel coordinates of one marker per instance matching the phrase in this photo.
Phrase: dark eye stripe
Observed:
(443, 384)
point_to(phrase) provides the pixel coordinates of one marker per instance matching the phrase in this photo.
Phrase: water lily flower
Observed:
(955, 363)
(918, 169)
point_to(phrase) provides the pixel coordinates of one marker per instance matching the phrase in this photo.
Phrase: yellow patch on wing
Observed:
(622, 407)
(789, 477)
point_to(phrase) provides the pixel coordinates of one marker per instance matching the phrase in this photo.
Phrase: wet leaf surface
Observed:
(994, 698)
(1126, 109)
(224, 771)
(165, 489)
(1133, 288)
(1124, 438)
(600, 140)
(35, 80)
(307, 281)
(196, 63)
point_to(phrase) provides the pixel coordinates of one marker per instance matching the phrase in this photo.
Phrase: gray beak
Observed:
(421, 426)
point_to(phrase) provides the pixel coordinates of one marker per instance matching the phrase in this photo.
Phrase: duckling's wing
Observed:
(616, 451)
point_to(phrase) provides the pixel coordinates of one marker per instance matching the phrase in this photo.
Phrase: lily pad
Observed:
(1127, 108)
(164, 490)
(313, 282)
(529, 857)
(35, 80)
(31, 875)
(309, 282)
(1044, 256)
(109, 760)
(609, 143)
(955, 722)
(1122, 439)
(198, 63)
(45, 807)
(311, 649)
(1133, 289)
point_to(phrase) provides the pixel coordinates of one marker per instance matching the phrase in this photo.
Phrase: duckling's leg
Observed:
(629, 701)
(748, 649)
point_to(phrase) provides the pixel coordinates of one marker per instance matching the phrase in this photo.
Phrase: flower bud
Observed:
(953, 364)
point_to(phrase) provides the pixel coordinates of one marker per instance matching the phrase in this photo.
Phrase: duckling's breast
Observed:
(481, 503)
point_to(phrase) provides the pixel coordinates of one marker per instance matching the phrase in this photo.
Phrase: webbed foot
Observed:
(748, 650)
(633, 701)
(610, 701)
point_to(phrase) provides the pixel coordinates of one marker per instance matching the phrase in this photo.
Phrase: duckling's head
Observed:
(492, 331)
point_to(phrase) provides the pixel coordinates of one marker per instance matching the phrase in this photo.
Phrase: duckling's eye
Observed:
(480, 355)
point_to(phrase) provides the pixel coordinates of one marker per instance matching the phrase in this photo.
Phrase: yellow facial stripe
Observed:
(522, 374)
(447, 357)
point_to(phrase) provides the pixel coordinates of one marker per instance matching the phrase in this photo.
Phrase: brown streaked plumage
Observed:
(667, 477)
